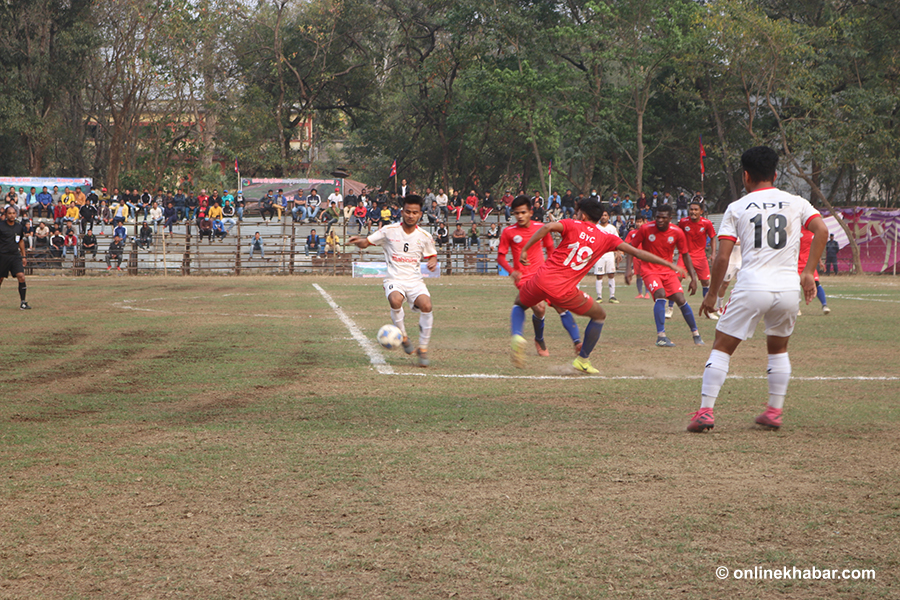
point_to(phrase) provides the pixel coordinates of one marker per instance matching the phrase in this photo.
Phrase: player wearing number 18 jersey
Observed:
(557, 280)
(768, 223)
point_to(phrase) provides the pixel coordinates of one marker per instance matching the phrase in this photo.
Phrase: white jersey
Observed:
(611, 230)
(768, 223)
(404, 251)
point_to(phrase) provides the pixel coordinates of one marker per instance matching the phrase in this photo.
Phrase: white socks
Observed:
(714, 377)
(599, 286)
(779, 371)
(426, 320)
(397, 319)
(612, 288)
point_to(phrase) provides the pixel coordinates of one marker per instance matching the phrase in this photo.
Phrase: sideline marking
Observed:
(368, 347)
(576, 376)
(842, 297)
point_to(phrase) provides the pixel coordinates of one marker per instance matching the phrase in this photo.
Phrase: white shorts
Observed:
(606, 265)
(734, 264)
(746, 307)
(410, 289)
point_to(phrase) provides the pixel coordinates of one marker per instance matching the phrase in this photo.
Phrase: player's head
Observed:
(639, 220)
(591, 209)
(10, 214)
(759, 164)
(412, 210)
(604, 217)
(695, 208)
(663, 217)
(522, 211)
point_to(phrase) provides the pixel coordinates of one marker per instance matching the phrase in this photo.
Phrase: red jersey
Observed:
(514, 239)
(636, 262)
(582, 245)
(660, 243)
(697, 234)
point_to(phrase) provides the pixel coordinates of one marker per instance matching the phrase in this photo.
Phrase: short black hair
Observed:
(521, 201)
(413, 199)
(666, 208)
(760, 162)
(592, 208)
(698, 200)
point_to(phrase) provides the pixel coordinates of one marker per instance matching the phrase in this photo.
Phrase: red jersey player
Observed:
(635, 263)
(698, 229)
(661, 238)
(806, 237)
(557, 280)
(512, 240)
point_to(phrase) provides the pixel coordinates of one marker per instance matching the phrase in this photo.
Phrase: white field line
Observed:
(576, 376)
(371, 350)
(864, 299)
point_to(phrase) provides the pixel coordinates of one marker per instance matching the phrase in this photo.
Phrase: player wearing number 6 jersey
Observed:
(405, 246)
(557, 280)
(768, 223)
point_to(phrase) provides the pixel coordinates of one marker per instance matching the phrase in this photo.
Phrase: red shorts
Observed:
(701, 265)
(576, 301)
(667, 282)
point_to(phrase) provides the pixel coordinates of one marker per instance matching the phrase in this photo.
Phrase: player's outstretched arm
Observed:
(645, 256)
(539, 235)
(629, 268)
(719, 267)
(361, 241)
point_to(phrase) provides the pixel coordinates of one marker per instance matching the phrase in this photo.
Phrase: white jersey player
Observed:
(607, 263)
(767, 221)
(405, 245)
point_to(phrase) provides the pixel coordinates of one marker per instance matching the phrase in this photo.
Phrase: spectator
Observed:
(59, 213)
(228, 215)
(298, 210)
(628, 206)
(88, 214)
(493, 236)
(681, 206)
(487, 206)
(192, 207)
(831, 251)
(442, 201)
(373, 216)
(71, 242)
(203, 203)
(332, 243)
(120, 212)
(28, 233)
(57, 245)
(267, 206)
(105, 216)
(337, 198)
(73, 214)
(280, 204)
(257, 244)
(459, 236)
(145, 235)
(385, 214)
(441, 235)
(312, 242)
(178, 202)
(615, 204)
(642, 202)
(170, 216)
(219, 229)
(433, 213)
(57, 195)
(214, 200)
(156, 215)
(120, 231)
(205, 225)
(507, 201)
(68, 197)
(330, 216)
(215, 211)
(567, 203)
(404, 188)
(473, 237)
(114, 253)
(313, 205)
(395, 212)
(538, 211)
(471, 205)
(239, 206)
(456, 203)
(89, 244)
(359, 216)
(44, 207)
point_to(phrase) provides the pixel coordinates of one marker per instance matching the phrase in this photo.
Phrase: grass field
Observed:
(219, 437)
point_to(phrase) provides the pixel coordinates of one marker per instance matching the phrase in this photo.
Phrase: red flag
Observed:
(550, 168)
(702, 156)
(236, 170)
(393, 170)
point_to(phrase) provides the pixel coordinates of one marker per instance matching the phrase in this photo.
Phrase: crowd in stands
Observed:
(60, 223)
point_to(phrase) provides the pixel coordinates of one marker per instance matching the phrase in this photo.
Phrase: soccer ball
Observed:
(390, 337)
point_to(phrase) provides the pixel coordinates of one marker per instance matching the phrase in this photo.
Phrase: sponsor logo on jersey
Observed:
(403, 259)
(688, 228)
(517, 239)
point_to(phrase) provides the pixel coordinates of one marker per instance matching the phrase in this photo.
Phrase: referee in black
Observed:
(12, 251)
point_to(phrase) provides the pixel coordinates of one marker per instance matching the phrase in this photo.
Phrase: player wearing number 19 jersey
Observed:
(768, 223)
(582, 245)
(512, 240)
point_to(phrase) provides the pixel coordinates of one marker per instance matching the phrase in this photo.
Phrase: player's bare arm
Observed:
(432, 262)
(645, 256)
(689, 265)
(538, 236)
(22, 251)
(717, 276)
(820, 236)
(361, 241)
(629, 268)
